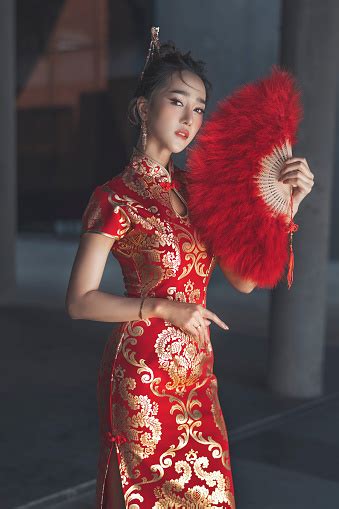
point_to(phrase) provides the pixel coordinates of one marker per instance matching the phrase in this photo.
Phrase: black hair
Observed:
(164, 62)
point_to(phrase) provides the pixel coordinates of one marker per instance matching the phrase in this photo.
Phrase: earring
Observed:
(144, 134)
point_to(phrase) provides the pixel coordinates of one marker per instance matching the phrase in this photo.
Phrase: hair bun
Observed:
(167, 48)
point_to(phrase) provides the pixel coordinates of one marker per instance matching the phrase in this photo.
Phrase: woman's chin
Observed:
(179, 146)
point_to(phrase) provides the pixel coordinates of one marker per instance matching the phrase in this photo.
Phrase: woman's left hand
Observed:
(297, 173)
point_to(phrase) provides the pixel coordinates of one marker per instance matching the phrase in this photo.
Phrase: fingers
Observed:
(297, 182)
(205, 323)
(197, 325)
(298, 164)
(212, 316)
(198, 333)
(295, 179)
(301, 160)
(296, 174)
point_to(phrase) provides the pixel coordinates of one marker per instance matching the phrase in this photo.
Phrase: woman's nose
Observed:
(188, 119)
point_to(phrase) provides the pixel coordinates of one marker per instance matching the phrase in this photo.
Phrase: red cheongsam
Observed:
(157, 393)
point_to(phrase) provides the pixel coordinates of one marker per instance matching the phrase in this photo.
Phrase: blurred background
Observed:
(69, 69)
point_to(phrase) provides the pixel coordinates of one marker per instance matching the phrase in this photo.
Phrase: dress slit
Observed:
(109, 435)
(110, 499)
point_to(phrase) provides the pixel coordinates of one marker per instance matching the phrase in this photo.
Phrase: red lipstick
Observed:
(183, 133)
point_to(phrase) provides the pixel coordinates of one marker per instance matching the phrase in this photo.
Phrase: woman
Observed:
(163, 439)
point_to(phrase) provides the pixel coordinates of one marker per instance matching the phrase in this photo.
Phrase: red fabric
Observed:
(105, 213)
(157, 392)
(224, 203)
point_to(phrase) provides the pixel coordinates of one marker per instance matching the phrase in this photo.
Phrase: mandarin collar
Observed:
(149, 168)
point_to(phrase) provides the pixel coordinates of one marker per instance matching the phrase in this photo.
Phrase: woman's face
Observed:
(178, 106)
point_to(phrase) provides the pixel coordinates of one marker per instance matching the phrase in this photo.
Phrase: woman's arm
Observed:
(83, 298)
(240, 284)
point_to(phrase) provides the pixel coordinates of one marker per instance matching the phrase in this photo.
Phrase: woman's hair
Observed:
(158, 70)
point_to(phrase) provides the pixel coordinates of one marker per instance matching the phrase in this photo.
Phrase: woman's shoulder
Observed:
(114, 191)
(114, 184)
(106, 210)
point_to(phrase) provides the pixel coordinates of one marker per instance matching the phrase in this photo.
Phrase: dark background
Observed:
(69, 69)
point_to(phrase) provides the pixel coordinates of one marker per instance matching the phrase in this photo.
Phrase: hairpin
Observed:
(154, 44)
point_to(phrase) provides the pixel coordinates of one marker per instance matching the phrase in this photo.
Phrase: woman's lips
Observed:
(182, 133)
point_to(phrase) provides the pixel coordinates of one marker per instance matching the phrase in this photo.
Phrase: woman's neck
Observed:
(161, 158)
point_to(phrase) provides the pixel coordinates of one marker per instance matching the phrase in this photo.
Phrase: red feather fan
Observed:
(241, 211)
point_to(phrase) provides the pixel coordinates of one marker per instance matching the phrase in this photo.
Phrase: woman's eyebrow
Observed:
(183, 92)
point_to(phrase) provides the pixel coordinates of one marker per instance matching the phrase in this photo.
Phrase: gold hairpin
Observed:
(155, 44)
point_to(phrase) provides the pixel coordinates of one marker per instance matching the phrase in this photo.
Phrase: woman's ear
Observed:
(142, 106)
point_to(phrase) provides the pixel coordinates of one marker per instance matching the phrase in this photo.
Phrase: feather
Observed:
(235, 200)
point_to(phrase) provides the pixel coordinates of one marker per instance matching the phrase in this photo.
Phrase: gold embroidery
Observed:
(188, 419)
(181, 356)
(94, 216)
(194, 251)
(160, 368)
(93, 213)
(132, 422)
(199, 496)
(144, 177)
(212, 393)
(190, 294)
(156, 256)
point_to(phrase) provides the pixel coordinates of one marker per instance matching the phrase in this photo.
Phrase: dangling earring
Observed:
(144, 134)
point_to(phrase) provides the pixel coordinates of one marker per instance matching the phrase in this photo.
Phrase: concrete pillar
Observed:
(237, 40)
(309, 43)
(8, 192)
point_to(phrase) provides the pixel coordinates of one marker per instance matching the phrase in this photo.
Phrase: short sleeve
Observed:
(106, 213)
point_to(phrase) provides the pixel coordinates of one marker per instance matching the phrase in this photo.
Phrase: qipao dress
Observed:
(157, 392)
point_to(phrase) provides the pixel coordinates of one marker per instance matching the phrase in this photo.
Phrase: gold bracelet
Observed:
(141, 304)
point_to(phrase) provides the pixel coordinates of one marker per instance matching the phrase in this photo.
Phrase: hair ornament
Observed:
(154, 45)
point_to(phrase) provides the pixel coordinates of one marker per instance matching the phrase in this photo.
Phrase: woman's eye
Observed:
(177, 101)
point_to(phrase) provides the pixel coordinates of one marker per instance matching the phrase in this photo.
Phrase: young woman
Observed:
(163, 439)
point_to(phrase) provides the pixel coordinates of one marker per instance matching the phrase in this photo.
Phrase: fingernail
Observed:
(225, 326)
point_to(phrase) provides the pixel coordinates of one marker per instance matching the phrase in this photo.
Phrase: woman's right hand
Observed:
(187, 315)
